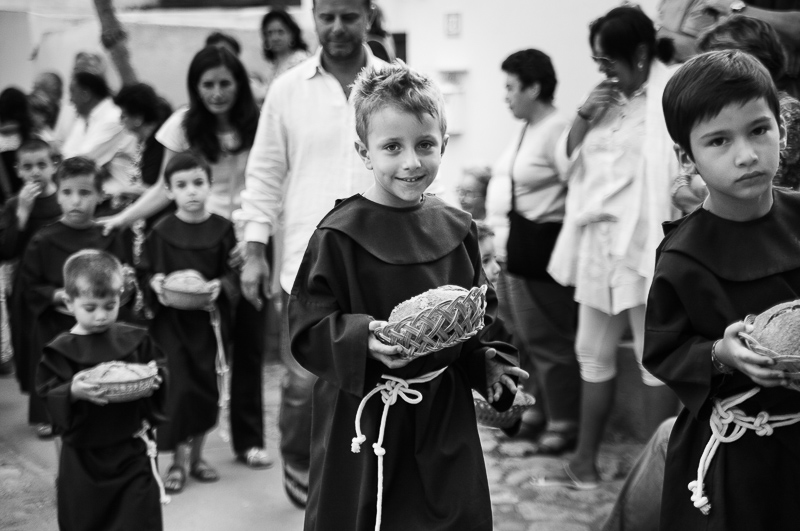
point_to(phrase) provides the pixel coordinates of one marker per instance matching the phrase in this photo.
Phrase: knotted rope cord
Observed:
(723, 415)
(390, 390)
(220, 364)
(152, 453)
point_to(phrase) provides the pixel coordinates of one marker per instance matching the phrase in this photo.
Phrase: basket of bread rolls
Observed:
(488, 416)
(434, 320)
(186, 290)
(776, 334)
(120, 381)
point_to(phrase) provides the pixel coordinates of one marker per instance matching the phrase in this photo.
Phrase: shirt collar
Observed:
(314, 65)
(98, 109)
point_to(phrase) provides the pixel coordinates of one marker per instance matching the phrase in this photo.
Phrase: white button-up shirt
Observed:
(102, 138)
(303, 159)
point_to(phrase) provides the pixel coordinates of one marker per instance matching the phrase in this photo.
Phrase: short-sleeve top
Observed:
(227, 172)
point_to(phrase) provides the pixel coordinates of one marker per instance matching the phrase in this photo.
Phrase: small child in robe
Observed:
(107, 476)
(370, 253)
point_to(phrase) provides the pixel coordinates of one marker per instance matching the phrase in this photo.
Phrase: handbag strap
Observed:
(511, 168)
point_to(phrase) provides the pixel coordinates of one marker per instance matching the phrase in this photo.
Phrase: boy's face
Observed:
(737, 155)
(37, 167)
(471, 194)
(404, 153)
(94, 314)
(78, 199)
(189, 189)
(490, 265)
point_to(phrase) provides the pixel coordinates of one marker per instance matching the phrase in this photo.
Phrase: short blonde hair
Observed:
(396, 85)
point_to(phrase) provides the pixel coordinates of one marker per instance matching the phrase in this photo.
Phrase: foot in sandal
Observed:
(255, 458)
(203, 472)
(175, 479)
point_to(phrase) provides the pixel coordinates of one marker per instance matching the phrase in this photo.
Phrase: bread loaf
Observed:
(778, 329)
(116, 372)
(425, 300)
(186, 281)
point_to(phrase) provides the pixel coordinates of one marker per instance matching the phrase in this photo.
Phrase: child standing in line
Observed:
(370, 253)
(736, 255)
(190, 238)
(107, 477)
(42, 283)
(22, 216)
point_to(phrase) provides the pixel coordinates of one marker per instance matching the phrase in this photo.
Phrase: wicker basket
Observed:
(788, 363)
(491, 418)
(440, 326)
(186, 290)
(120, 381)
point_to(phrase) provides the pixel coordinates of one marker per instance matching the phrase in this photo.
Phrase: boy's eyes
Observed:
(760, 130)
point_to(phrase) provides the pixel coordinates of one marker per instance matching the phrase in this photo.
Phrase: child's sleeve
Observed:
(53, 381)
(10, 236)
(38, 291)
(473, 353)
(149, 264)
(156, 403)
(325, 339)
(230, 276)
(675, 350)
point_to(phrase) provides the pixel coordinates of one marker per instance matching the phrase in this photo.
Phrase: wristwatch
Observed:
(737, 7)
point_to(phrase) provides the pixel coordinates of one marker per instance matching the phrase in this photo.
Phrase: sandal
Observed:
(556, 442)
(202, 472)
(175, 479)
(256, 458)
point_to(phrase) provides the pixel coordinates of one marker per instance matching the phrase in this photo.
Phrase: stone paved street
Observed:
(245, 500)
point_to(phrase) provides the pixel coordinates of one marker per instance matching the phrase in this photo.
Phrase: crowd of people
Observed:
(310, 188)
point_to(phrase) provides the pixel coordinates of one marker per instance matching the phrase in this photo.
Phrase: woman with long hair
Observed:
(220, 124)
(282, 43)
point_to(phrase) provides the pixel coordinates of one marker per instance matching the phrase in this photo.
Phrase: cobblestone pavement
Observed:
(27, 496)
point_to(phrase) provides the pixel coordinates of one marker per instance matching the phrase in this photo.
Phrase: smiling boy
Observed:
(737, 255)
(370, 253)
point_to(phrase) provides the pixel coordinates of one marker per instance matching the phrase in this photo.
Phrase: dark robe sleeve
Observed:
(147, 267)
(38, 292)
(230, 277)
(10, 240)
(325, 339)
(155, 405)
(53, 383)
(674, 351)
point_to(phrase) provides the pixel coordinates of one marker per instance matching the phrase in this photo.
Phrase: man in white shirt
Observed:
(303, 160)
(98, 133)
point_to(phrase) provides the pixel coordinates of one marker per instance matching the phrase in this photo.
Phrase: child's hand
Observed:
(157, 283)
(732, 352)
(81, 390)
(236, 256)
(27, 196)
(386, 354)
(157, 381)
(499, 374)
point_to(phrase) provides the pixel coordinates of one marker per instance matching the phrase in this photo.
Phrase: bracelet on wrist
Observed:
(721, 367)
(583, 115)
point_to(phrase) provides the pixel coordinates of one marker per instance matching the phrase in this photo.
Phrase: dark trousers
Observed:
(247, 400)
(294, 421)
(545, 318)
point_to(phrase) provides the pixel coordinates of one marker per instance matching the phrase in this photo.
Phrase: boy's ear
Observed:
(688, 166)
(534, 90)
(444, 142)
(363, 152)
(170, 195)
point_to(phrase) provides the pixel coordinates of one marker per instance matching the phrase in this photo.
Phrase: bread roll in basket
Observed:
(120, 381)
(187, 290)
(776, 333)
(436, 319)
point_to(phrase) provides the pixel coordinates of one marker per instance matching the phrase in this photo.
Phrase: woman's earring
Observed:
(640, 65)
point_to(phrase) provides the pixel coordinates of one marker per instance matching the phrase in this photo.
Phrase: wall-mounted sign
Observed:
(452, 24)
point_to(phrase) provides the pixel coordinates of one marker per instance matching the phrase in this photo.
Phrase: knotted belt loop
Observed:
(390, 390)
(723, 415)
(152, 453)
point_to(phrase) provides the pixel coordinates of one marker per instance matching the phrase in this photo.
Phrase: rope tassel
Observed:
(723, 415)
(152, 453)
(390, 390)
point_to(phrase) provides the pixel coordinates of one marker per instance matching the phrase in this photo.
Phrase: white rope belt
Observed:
(390, 390)
(220, 364)
(723, 415)
(152, 453)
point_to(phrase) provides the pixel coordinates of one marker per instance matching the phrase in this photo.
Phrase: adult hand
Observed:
(499, 375)
(237, 255)
(255, 274)
(600, 99)
(389, 355)
(82, 390)
(111, 223)
(732, 352)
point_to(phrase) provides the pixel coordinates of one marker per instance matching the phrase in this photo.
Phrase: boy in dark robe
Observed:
(42, 282)
(107, 476)
(370, 253)
(737, 255)
(190, 238)
(22, 216)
